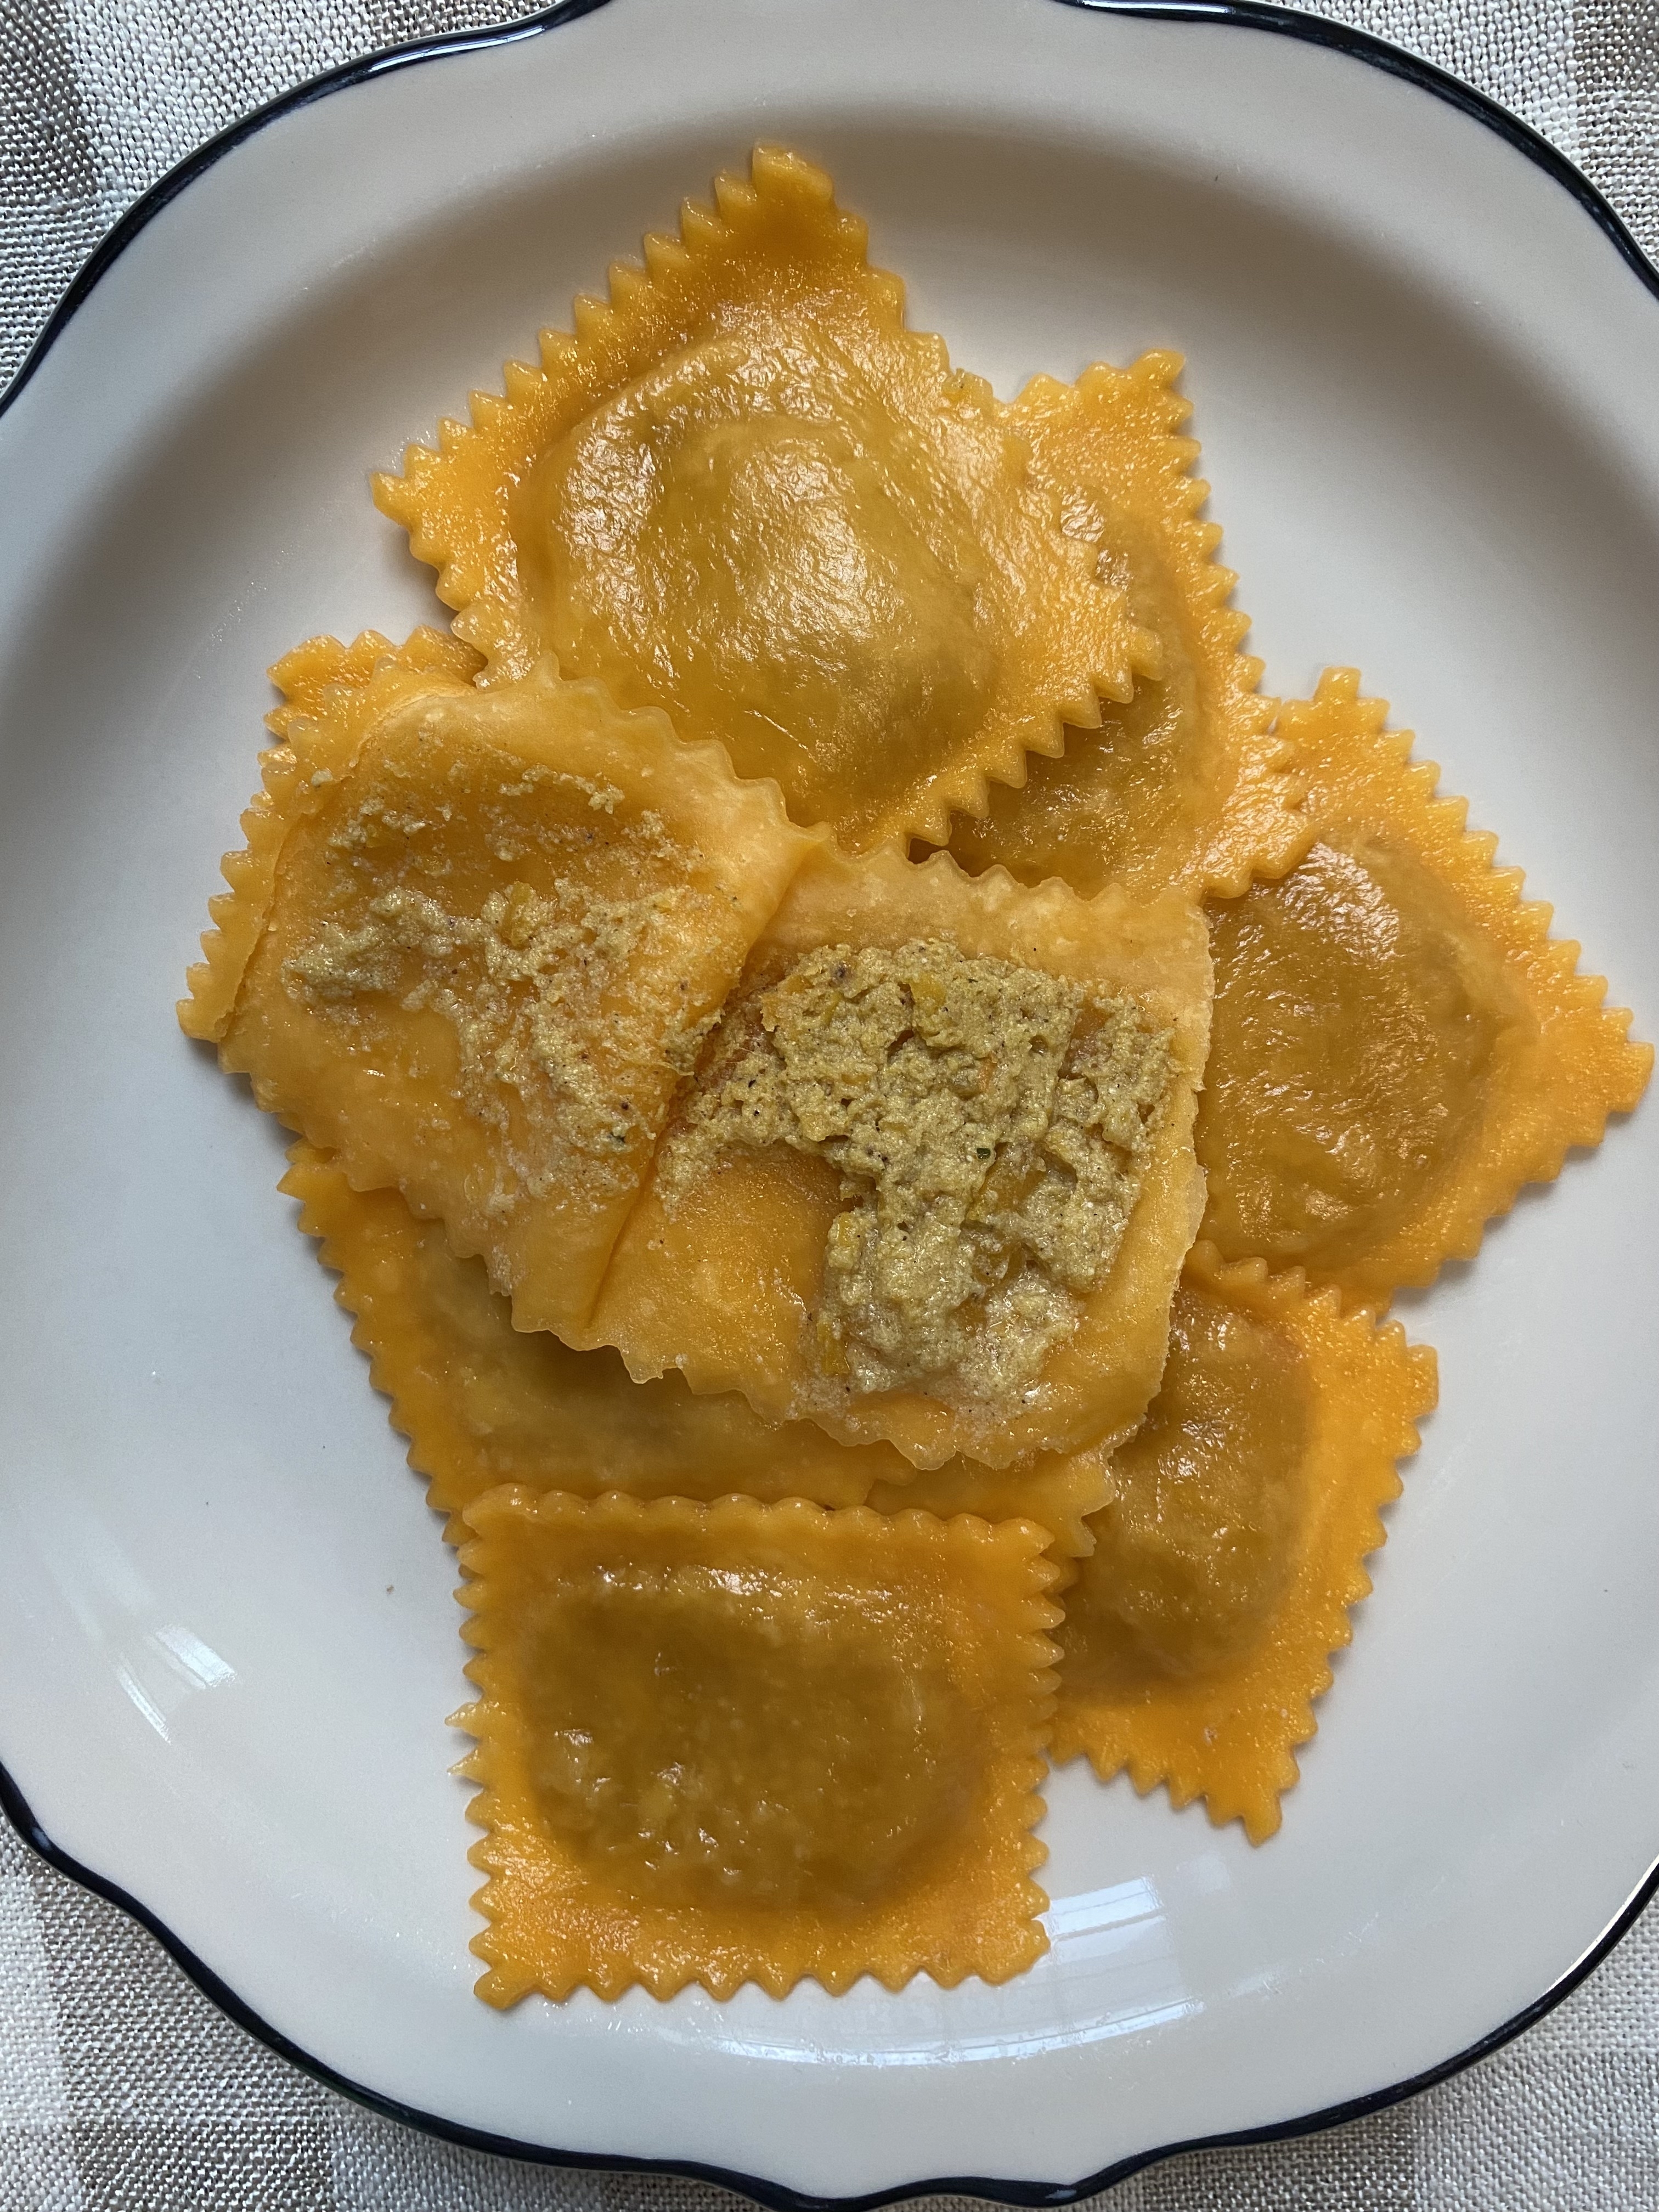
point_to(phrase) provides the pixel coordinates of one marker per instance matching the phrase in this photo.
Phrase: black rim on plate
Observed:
(1253, 14)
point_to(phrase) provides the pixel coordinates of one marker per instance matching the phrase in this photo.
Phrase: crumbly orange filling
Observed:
(1399, 1043)
(474, 945)
(738, 1742)
(1185, 783)
(988, 1122)
(744, 493)
(483, 1403)
(721, 1270)
(1199, 1632)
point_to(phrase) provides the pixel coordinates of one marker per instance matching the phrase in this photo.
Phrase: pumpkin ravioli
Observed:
(1200, 1630)
(483, 1404)
(932, 1182)
(316, 677)
(473, 943)
(743, 492)
(476, 946)
(739, 1742)
(1185, 783)
(1399, 1043)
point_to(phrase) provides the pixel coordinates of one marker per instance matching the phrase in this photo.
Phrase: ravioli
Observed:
(483, 1404)
(778, 1252)
(1057, 1491)
(1399, 1043)
(318, 678)
(474, 945)
(738, 1742)
(1200, 1630)
(932, 1181)
(1185, 784)
(743, 492)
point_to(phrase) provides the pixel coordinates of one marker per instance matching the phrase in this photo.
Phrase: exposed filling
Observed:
(485, 1403)
(699, 1736)
(1199, 1544)
(990, 1124)
(1358, 1016)
(534, 925)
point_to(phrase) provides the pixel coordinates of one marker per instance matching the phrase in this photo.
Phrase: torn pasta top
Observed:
(932, 1181)
(474, 945)
(989, 1123)
(475, 950)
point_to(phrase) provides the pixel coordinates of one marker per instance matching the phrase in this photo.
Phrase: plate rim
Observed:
(1253, 14)
(1265, 15)
(778, 2196)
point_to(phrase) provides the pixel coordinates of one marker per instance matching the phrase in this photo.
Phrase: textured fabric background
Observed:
(121, 2088)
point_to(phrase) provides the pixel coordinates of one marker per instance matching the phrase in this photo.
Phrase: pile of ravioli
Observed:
(867, 1092)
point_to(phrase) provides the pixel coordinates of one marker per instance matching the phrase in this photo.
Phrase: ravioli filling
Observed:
(522, 976)
(1198, 1545)
(699, 1735)
(990, 1124)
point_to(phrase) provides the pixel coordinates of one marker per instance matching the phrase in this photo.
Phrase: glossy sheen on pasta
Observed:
(723, 1277)
(473, 944)
(319, 677)
(1399, 1043)
(1200, 1631)
(483, 1403)
(736, 1742)
(1185, 784)
(742, 491)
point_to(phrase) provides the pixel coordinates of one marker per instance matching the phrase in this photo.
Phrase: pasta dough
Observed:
(744, 493)
(475, 943)
(320, 677)
(473, 946)
(483, 1403)
(1185, 783)
(722, 1269)
(1399, 1043)
(1200, 1630)
(778, 1253)
(737, 1742)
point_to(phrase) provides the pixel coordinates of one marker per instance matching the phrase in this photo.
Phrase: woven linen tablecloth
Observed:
(121, 2088)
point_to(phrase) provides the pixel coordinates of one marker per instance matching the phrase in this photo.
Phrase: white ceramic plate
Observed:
(1427, 381)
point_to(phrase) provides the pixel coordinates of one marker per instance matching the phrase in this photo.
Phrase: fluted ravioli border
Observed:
(1253, 14)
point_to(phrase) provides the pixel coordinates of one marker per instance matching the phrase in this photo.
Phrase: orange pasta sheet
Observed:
(738, 1742)
(742, 491)
(1399, 1042)
(1185, 783)
(1199, 1632)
